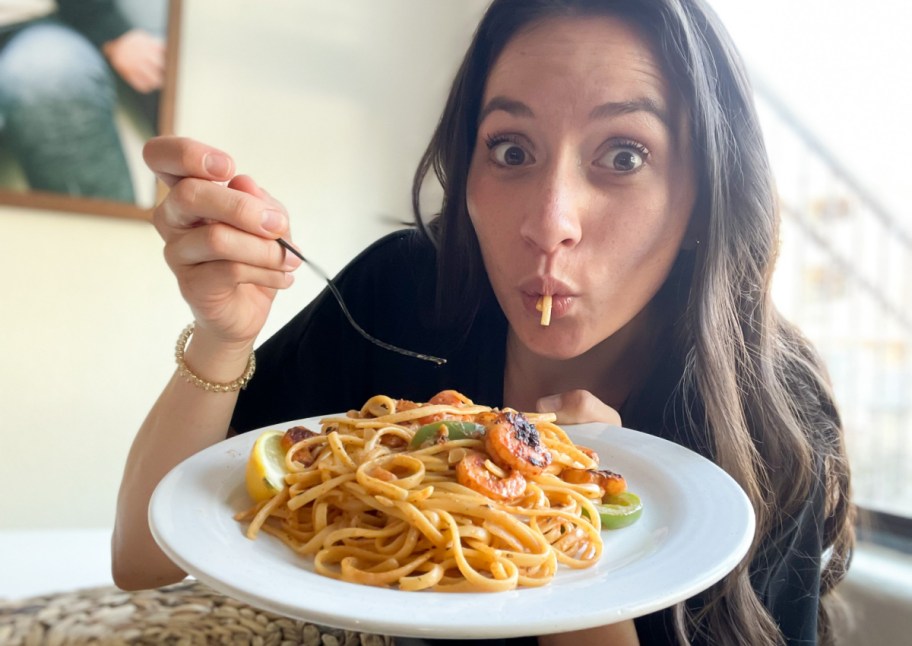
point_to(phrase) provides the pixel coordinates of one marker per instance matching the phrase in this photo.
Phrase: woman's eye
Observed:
(507, 153)
(624, 159)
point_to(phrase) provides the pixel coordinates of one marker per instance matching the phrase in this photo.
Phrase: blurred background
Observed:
(329, 106)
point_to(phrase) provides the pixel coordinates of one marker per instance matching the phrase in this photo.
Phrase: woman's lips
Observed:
(533, 288)
(560, 304)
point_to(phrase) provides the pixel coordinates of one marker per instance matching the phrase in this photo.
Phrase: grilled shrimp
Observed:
(513, 442)
(447, 398)
(592, 454)
(405, 404)
(609, 482)
(450, 398)
(472, 472)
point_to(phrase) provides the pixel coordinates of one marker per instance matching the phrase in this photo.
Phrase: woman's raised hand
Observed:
(220, 235)
(220, 232)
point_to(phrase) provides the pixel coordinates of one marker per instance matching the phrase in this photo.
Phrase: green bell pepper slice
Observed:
(456, 430)
(620, 510)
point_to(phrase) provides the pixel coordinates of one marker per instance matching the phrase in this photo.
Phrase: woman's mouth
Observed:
(537, 304)
(546, 298)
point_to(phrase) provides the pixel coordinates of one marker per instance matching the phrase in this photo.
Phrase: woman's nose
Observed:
(553, 218)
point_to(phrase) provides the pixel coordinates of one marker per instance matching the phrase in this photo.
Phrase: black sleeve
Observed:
(318, 364)
(100, 20)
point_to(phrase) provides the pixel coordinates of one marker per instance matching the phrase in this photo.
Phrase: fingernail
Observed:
(274, 221)
(217, 165)
(549, 404)
(292, 262)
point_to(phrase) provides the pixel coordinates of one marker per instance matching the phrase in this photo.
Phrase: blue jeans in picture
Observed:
(57, 101)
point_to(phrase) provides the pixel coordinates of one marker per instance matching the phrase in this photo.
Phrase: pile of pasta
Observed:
(454, 513)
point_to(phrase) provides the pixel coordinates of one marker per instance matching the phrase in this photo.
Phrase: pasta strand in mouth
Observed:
(544, 306)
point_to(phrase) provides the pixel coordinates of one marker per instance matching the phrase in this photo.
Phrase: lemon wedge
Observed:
(266, 466)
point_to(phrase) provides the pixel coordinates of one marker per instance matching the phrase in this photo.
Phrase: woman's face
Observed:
(581, 183)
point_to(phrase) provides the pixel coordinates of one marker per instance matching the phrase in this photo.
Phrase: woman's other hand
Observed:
(578, 407)
(220, 232)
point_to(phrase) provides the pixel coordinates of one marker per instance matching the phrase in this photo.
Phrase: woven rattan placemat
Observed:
(185, 614)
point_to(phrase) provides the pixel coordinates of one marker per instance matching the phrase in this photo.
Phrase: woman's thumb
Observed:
(578, 407)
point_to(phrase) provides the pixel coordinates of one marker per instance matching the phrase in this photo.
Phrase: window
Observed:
(833, 120)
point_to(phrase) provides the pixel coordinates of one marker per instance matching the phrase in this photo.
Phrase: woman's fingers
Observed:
(578, 407)
(219, 241)
(194, 171)
(209, 282)
(202, 221)
(192, 202)
(246, 184)
(173, 158)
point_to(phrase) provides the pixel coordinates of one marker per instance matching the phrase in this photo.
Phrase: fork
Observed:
(335, 292)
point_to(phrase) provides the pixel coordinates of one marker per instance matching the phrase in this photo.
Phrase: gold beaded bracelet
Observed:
(186, 373)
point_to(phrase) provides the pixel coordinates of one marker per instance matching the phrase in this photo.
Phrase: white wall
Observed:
(328, 105)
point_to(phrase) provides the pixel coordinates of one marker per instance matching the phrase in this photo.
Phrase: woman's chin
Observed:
(556, 341)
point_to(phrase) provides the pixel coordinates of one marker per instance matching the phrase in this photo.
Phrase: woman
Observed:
(604, 154)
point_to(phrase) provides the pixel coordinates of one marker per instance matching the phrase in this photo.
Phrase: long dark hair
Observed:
(765, 399)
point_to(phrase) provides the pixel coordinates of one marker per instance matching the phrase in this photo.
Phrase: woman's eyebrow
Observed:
(643, 104)
(603, 111)
(511, 106)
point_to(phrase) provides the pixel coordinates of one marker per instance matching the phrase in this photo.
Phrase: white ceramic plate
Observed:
(696, 526)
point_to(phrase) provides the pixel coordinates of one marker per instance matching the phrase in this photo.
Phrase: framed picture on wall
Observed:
(83, 85)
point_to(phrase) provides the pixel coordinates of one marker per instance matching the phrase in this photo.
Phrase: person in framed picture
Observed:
(62, 64)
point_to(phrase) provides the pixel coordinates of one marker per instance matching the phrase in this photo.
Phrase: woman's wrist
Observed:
(214, 364)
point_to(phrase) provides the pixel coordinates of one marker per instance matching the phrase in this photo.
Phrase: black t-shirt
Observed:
(318, 364)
